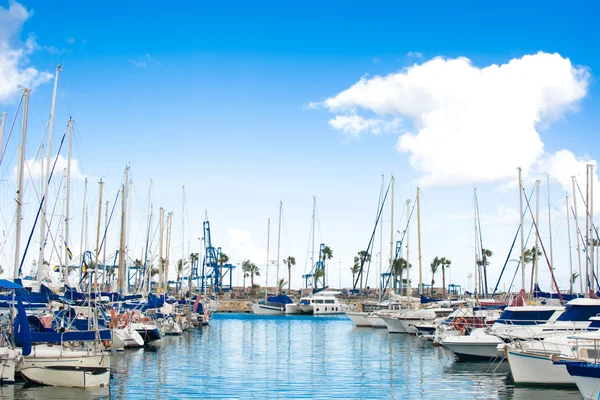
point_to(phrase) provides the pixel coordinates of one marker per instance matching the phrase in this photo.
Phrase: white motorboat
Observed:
(274, 305)
(320, 303)
(128, 336)
(359, 318)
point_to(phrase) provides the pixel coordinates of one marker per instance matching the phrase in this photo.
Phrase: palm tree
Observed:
(246, 270)
(222, 259)
(254, 271)
(398, 270)
(435, 264)
(531, 256)
(320, 273)
(444, 263)
(289, 262)
(355, 268)
(362, 258)
(280, 284)
(181, 263)
(574, 277)
(327, 255)
(484, 263)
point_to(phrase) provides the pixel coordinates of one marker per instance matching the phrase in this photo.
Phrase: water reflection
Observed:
(302, 357)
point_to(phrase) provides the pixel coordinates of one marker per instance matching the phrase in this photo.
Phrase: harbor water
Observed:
(246, 356)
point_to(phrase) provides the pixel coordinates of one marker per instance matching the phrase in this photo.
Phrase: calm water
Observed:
(243, 356)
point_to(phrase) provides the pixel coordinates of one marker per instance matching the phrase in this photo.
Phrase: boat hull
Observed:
(263, 309)
(8, 362)
(394, 325)
(537, 369)
(359, 319)
(376, 322)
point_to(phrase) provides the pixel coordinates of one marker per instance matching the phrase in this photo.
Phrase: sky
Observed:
(248, 105)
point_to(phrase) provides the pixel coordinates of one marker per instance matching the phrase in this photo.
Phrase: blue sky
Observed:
(216, 97)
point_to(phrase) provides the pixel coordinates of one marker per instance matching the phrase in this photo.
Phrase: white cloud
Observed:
(143, 62)
(14, 71)
(33, 169)
(415, 54)
(70, 40)
(242, 247)
(354, 125)
(470, 124)
(376, 60)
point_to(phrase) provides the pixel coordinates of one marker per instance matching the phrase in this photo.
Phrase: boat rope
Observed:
(11, 130)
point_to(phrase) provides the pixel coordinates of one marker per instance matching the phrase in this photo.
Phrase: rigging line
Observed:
(62, 141)
(11, 130)
(511, 248)
(109, 219)
(519, 261)
(49, 225)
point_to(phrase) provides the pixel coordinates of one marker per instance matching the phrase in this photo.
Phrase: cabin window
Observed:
(329, 301)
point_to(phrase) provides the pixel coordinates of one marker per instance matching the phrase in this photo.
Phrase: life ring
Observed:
(121, 321)
(106, 343)
(459, 323)
(146, 320)
(136, 317)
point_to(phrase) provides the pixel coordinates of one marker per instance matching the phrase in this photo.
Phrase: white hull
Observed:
(8, 361)
(376, 322)
(130, 338)
(471, 350)
(533, 369)
(409, 327)
(293, 309)
(588, 387)
(55, 366)
(263, 309)
(394, 325)
(358, 318)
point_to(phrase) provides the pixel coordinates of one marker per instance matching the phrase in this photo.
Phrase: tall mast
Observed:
(475, 280)
(83, 224)
(312, 254)
(2, 123)
(182, 233)
(98, 237)
(279, 245)
(408, 291)
(121, 266)
(592, 229)
(68, 200)
(537, 219)
(380, 239)
(570, 252)
(391, 237)
(168, 248)
(45, 173)
(419, 239)
(522, 229)
(145, 254)
(267, 265)
(577, 235)
(40, 270)
(588, 287)
(161, 272)
(20, 181)
(549, 228)
(104, 270)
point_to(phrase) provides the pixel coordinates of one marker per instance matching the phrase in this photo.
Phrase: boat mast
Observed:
(570, 252)
(267, 265)
(577, 235)
(121, 266)
(98, 238)
(161, 272)
(83, 224)
(592, 229)
(587, 230)
(68, 201)
(2, 123)
(537, 239)
(20, 182)
(391, 238)
(279, 245)
(104, 270)
(475, 280)
(40, 269)
(549, 229)
(408, 290)
(419, 240)
(45, 174)
(522, 229)
(183, 235)
(312, 254)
